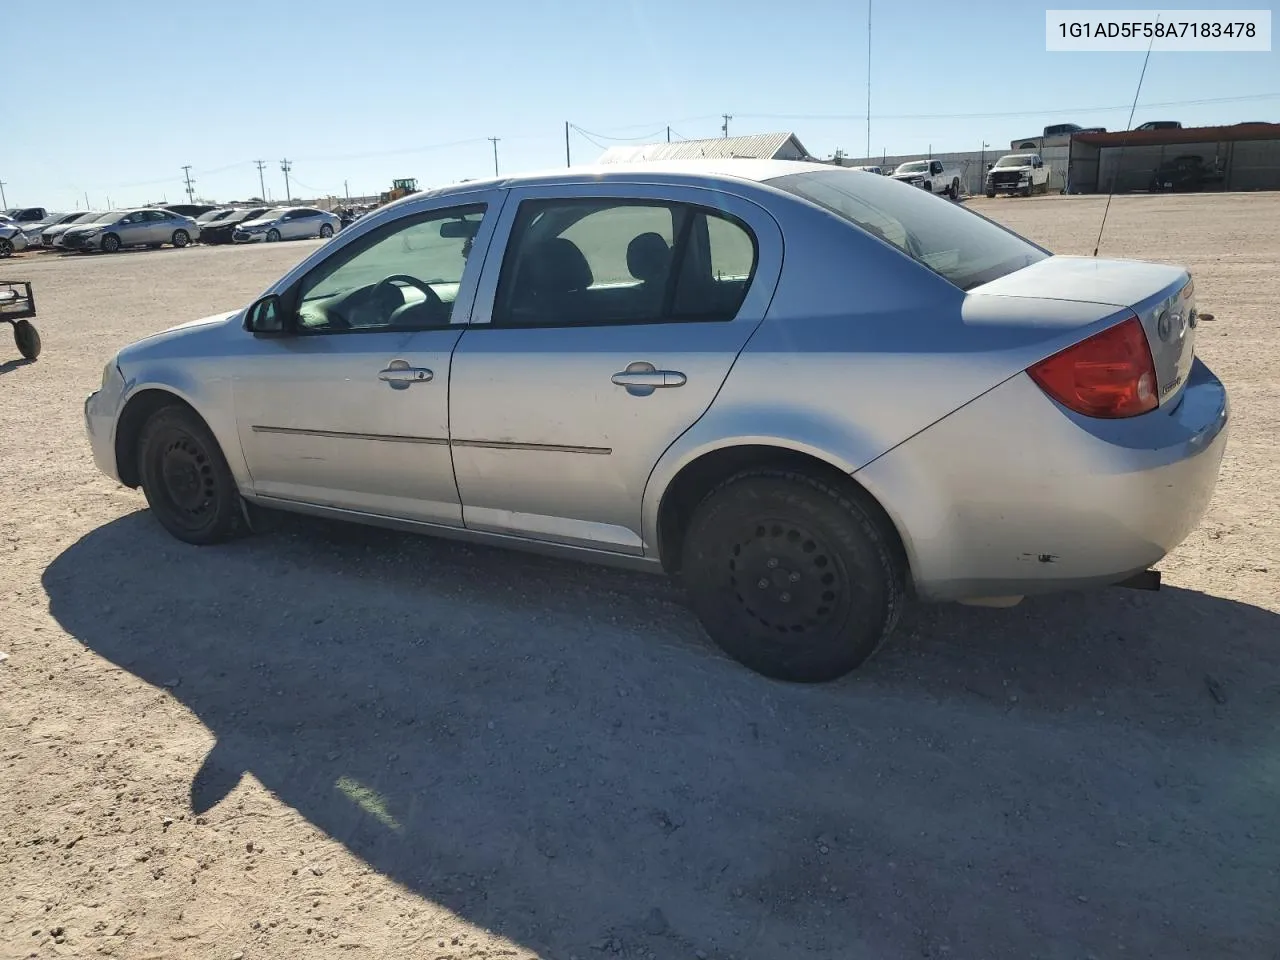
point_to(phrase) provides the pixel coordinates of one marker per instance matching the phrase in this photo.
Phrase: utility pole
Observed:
(983, 162)
(567, 161)
(86, 201)
(868, 79)
(262, 186)
(346, 190)
(668, 133)
(724, 129)
(494, 140)
(4, 202)
(191, 194)
(286, 166)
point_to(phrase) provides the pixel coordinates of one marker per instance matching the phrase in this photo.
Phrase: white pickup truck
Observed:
(1022, 173)
(932, 175)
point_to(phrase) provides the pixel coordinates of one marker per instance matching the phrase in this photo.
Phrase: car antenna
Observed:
(1120, 159)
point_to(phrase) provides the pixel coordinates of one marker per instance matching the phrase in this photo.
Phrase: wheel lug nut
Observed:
(794, 578)
(763, 584)
(772, 563)
(785, 597)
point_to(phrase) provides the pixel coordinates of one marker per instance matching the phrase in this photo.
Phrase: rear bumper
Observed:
(1013, 494)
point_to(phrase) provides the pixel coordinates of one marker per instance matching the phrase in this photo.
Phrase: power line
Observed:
(605, 136)
(1010, 114)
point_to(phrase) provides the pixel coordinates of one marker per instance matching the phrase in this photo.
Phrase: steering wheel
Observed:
(384, 285)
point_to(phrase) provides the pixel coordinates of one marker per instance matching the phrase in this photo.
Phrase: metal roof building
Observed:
(758, 146)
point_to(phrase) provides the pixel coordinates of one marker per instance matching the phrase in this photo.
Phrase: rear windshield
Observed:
(952, 241)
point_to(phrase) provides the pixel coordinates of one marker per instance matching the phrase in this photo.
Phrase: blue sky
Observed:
(123, 94)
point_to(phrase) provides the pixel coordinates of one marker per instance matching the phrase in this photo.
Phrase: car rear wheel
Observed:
(186, 480)
(110, 243)
(954, 190)
(273, 235)
(794, 578)
(6, 247)
(27, 339)
(326, 231)
(181, 238)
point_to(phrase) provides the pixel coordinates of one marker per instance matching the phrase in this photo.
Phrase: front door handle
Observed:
(400, 375)
(642, 378)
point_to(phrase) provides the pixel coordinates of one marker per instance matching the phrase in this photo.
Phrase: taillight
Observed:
(1109, 375)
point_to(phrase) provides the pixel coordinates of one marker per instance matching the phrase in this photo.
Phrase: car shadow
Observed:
(556, 753)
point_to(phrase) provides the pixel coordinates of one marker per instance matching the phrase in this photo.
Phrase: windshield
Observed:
(212, 215)
(915, 166)
(1021, 160)
(954, 242)
(89, 217)
(274, 214)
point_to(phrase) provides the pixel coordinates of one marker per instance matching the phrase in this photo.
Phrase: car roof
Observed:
(691, 172)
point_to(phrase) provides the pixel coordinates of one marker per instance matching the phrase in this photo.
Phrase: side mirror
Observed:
(991, 166)
(266, 316)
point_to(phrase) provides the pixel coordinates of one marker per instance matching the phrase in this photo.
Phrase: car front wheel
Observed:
(6, 247)
(273, 235)
(110, 243)
(795, 578)
(326, 231)
(186, 480)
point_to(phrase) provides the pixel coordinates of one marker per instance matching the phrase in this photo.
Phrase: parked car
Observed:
(933, 176)
(1189, 172)
(879, 171)
(220, 231)
(1159, 125)
(288, 223)
(148, 227)
(192, 210)
(51, 232)
(1022, 173)
(914, 400)
(12, 238)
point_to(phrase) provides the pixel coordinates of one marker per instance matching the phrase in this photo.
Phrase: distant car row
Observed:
(179, 225)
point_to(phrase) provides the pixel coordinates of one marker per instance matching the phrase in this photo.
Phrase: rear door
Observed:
(607, 318)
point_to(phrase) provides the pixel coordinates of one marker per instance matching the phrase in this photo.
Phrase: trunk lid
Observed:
(1162, 296)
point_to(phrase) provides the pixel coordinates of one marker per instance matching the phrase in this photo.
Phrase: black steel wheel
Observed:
(181, 238)
(6, 247)
(794, 578)
(273, 235)
(110, 243)
(187, 482)
(326, 231)
(27, 339)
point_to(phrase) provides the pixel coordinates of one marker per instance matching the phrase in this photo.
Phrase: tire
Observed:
(791, 576)
(186, 480)
(273, 235)
(6, 248)
(27, 339)
(326, 231)
(110, 243)
(181, 238)
(927, 186)
(953, 191)
(991, 194)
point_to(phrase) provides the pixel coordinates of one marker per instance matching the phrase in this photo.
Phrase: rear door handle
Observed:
(643, 378)
(400, 375)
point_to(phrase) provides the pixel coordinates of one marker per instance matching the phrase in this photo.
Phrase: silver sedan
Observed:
(288, 223)
(148, 227)
(620, 365)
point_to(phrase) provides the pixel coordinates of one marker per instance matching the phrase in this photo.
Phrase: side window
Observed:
(156, 215)
(403, 276)
(608, 261)
(286, 216)
(935, 167)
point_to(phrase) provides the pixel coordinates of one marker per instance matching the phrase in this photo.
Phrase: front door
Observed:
(351, 409)
(602, 331)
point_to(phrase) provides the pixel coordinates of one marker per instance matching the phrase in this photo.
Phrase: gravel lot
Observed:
(334, 742)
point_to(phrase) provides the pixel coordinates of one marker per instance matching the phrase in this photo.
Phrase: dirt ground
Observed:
(328, 741)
